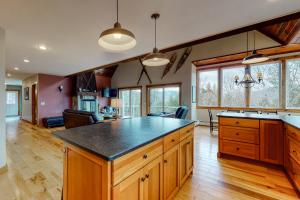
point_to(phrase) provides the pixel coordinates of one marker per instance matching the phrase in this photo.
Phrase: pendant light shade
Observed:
(117, 38)
(155, 58)
(254, 57)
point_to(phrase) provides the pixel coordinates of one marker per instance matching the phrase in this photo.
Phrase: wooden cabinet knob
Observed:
(142, 179)
(237, 133)
(145, 156)
(173, 140)
(237, 122)
(147, 175)
(165, 161)
(237, 148)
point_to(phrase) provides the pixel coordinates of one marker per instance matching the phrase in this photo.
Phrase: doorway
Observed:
(12, 103)
(34, 104)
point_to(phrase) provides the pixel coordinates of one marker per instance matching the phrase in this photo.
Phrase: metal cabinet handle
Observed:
(237, 133)
(237, 122)
(173, 140)
(147, 175)
(237, 148)
(165, 161)
(143, 179)
(145, 156)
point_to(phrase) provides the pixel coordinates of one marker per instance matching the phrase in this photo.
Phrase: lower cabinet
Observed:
(186, 159)
(145, 184)
(271, 141)
(153, 185)
(171, 172)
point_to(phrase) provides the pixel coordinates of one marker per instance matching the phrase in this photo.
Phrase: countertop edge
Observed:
(114, 157)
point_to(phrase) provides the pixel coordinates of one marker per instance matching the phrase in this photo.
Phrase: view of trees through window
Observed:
(232, 95)
(208, 88)
(131, 102)
(293, 83)
(266, 95)
(164, 99)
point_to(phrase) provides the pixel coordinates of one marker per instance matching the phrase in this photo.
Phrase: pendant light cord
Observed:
(155, 32)
(254, 39)
(247, 42)
(117, 10)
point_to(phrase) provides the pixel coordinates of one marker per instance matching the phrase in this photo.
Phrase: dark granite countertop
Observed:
(291, 120)
(111, 140)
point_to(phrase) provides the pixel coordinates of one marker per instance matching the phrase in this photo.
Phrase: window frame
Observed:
(130, 89)
(218, 84)
(165, 85)
(285, 84)
(282, 86)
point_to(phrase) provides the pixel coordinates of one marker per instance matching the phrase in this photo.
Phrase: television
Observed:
(109, 92)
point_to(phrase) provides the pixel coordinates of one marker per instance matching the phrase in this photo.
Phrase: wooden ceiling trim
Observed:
(239, 56)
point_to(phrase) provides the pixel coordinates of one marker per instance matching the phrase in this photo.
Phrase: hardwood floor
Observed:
(35, 170)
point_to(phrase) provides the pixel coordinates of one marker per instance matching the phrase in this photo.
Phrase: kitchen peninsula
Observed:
(267, 138)
(138, 158)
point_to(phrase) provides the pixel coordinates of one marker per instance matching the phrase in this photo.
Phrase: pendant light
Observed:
(117, 38)
(155, 58)
(254, 57)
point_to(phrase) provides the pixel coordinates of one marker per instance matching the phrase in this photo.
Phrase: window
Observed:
(165, 98)
(293, 83)
(208, 88)
(11, 97)
(267, 94)
(232, 95)
(130, 102)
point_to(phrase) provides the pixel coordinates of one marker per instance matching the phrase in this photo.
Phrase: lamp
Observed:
(117, 38)
(116, 103)
(155, 58)
(248, 81)
(254, 57)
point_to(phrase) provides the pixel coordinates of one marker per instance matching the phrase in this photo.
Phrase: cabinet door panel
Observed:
(153, 186)
(171, 172)
(271, 141)
(190, 155)
(130, 188)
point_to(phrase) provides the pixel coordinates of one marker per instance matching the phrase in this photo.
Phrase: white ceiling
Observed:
(70, 28)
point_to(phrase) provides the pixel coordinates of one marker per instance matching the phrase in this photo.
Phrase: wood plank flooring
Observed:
(35, 170)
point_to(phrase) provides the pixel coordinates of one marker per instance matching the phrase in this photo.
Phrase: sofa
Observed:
(76, 118)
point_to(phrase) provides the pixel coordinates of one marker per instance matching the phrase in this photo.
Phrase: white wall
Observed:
(27, 104)
(2, 101)
(128, 73)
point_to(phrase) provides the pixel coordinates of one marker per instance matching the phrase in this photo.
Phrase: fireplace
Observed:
(88, 102)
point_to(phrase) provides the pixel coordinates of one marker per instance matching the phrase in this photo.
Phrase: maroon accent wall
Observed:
(55, 101)
(103, 82)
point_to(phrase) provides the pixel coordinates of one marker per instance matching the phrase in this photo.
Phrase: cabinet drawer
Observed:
(248, 135)
(293, 133)
(294, 149)
(251, 123)
(186, 131)
(294, 172)
(240, 149)
(171, 140)
(130, 163)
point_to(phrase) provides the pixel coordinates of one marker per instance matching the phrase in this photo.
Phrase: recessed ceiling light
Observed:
(8, 75)
(43, 47)
(16, 68)
(26, 60)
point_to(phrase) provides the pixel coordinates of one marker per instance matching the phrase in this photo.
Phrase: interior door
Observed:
(12, 103)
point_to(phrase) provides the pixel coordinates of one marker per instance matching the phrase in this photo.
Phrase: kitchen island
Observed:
(265, 138)
(139, 158)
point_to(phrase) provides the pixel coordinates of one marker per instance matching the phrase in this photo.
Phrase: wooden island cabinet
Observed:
(155, 171)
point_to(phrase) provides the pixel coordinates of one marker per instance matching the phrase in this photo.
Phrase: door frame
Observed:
(19, 102)
(34, 104)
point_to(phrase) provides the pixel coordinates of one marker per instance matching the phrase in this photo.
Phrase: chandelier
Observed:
(248, 81)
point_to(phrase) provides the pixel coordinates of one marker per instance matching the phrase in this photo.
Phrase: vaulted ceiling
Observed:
(70, 28)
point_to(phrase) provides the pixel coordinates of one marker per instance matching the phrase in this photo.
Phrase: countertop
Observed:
(291, 120)
(111, 140)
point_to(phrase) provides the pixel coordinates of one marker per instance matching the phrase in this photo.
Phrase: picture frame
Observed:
(26, 93)
(194, 98)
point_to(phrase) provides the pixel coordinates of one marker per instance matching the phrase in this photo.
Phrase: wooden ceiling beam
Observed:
(239, 56)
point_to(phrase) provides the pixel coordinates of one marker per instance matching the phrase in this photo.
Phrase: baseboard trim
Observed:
(3, 169)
